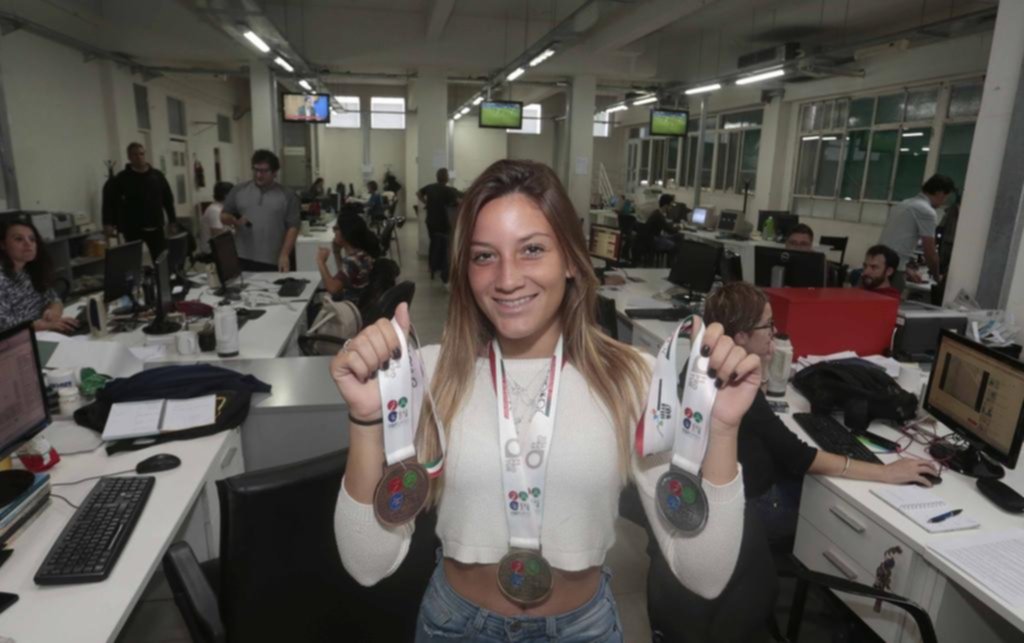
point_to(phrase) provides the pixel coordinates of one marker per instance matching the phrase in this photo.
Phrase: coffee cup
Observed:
(187, 342)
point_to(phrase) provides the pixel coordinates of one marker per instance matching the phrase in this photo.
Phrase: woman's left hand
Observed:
(737, 374)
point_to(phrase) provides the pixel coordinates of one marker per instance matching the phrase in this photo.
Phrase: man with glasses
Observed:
(265, 217)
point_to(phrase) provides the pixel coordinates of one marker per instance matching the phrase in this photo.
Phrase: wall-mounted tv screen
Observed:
(501, 114)
(669, 122)
(306, 108)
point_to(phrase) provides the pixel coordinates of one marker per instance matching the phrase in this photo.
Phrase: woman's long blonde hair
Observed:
(613, 370)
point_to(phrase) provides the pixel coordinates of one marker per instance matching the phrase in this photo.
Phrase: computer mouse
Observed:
(930, 477)
(158, 462)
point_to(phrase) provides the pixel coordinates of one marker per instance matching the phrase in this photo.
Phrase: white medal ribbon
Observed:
(524, 459)
(401, 398)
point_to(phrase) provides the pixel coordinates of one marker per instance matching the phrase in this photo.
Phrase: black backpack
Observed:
(861, 390)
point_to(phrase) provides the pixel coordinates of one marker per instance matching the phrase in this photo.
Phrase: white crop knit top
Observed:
(581, 502)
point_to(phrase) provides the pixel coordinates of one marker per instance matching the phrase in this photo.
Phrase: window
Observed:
(347, 116)
(387, 113)
(602, 124)
(732, 142)
(955, 150)
(141, 106)
(176, 117)
(531, 120)
(223, 128)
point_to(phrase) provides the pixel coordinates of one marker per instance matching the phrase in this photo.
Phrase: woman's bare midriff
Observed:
(479, 584)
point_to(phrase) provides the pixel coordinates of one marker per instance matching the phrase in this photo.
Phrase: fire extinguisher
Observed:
(200, 174)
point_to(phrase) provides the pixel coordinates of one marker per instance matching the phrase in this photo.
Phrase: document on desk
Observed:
(994, 559)
(921, 505)
(153, 417)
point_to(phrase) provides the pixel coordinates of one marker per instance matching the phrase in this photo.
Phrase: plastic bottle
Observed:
(781, 365)
(768, 232)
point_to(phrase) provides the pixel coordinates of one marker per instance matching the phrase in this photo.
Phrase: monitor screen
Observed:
(177, 253)
(225, 257)
(164, 303)
(23, 411)
(669, 122)
(979, 393)
(781, 267)
(699, 216)
(727, 220)
(122, 271)
(501, 114)
(306, 108)
(605, 242)
(695, 265)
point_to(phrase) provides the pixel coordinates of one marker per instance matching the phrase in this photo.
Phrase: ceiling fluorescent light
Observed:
(457, 116)
(926, 149)
(541, 57)
(617, 108)
(283, 64)
(828, 138)
(478, 100)
(912, 134)
(703, 89)
(305, 85)
(775, 73)
(645, 100)
(810, 138)
(904, 149)
(515, 74)
(256, 41)
(464, 111)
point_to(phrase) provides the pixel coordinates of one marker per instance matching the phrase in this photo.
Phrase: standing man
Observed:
(139, 196)
(915, 219)
(265, 217)
(880, 263)
(438, 197)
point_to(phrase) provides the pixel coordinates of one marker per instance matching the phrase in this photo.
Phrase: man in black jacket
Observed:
(139, 197)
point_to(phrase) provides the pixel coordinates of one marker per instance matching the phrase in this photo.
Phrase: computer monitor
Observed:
(977, 392)
(783, 220)
(177, 253)
(699, 216)
(23, 410)
(605, 243)
(163, 304)
(225, 258)
(727, 220)
(122, 271)
(695, 265)
(781, 267)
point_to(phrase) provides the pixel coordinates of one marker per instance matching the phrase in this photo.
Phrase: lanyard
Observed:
(523, 476)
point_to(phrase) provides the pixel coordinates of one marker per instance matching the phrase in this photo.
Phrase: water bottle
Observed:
(225, 322)
(781, 365)
(768, 231)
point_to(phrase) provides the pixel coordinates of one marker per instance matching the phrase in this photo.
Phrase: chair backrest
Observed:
(383, 277)
(606, 316)
(731, 267)
(385, 235)
(281, 577)
(838, 244)
(384, 307)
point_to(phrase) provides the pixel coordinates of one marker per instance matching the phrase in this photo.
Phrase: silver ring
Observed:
(344, 347)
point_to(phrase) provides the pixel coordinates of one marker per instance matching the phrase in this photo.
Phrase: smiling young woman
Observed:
(523, 294)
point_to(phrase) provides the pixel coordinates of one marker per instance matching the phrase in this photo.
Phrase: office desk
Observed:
(183, 504)
(306, 246)
(645, 334)
(844, 530)
(743, 248)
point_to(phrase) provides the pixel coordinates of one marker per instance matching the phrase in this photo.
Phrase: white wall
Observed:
(340, 156)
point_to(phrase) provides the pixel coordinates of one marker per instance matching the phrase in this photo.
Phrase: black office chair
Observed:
(607, 319)
(388, 237)
(837, 244)
(731, 267)
(280, 578)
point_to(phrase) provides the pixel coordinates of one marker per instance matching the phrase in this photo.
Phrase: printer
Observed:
(917, 330)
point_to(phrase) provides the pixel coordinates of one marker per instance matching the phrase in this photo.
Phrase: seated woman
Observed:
(26, 277)
(374, 201)
(361, 249)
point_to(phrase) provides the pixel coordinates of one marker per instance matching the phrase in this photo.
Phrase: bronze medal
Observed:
(401, 493)
(682, 501)
(525, 577)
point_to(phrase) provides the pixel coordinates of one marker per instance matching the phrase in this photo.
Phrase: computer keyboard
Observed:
(88, 548)
(660, 314)
(834, 437)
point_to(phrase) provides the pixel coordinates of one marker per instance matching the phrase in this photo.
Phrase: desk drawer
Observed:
(862, 540)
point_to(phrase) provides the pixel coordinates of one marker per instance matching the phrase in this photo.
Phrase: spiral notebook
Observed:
(919, 504)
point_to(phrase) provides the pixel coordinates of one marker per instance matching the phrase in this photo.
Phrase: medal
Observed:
(401, 493)
(681, 500)
(524, 577)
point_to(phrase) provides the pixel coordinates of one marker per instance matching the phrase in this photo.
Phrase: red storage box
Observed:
(821, 321)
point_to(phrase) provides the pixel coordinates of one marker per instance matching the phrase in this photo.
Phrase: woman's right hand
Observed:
(355, 367)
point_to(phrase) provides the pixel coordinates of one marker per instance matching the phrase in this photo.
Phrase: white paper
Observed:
(190, 413)
(920, 505)
(108, 358)
(582, 165)
(149, 353)
(995, 559)
(133, 419)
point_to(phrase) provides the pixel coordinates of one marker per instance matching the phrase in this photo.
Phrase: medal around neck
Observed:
(405, 486)
(524, 576)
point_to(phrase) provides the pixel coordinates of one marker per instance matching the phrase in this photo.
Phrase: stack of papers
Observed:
(921, 505)
(994, 559)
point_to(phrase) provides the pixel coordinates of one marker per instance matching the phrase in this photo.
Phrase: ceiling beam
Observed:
(437, 19)
(632, 23)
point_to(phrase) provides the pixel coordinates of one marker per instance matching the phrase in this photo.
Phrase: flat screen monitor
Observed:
(605, 242)
(783, 220)
(177, 253)
(122, 271)
(781, 267)
(977, 392)
(669, 122)
(695, 265)
(164, 303)
(699, 216)
(501, 114)
(727, 220)
(306, 108)
(225, 258)
(23, 410)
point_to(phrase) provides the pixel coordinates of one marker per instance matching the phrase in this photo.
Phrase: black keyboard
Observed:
(292, 288)
(660, 314)
(834, 437)
(88, 548)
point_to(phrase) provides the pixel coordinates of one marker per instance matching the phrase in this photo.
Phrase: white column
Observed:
(987, 150)
(428, 93)
(263, 99)
(771, 160)
(581, 142)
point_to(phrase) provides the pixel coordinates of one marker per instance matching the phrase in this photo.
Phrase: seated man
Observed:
(800, 237)
(657, 223)
(880, 264)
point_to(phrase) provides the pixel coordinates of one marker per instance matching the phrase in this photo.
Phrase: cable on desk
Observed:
(70, 504)
(105, 475)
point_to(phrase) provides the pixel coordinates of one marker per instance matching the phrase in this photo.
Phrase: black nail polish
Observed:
(719, 383)
(385, 365)
(705, 350)
(396, 353)
(732, 378)
(374, 376)
(712, 372)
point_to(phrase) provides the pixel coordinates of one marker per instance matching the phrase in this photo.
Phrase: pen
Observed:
(948, 514)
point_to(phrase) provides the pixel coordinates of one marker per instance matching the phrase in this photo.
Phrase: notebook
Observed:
(152, 417)
(920, 504)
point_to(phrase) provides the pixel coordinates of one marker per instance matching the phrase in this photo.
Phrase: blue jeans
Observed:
(446, 616)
